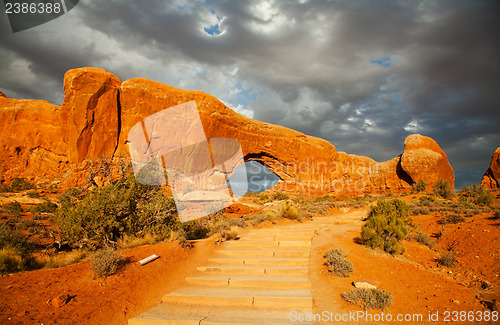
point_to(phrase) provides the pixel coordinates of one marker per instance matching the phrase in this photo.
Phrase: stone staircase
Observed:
(259, 279)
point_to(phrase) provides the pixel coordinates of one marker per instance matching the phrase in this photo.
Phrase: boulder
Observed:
(491, 179)
(2, 94)
(90, 113)
(423, 159)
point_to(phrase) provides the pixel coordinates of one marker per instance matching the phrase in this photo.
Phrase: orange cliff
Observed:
(491, 179)
(42, 141)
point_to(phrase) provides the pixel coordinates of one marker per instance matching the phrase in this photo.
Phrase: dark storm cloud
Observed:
(361, 74)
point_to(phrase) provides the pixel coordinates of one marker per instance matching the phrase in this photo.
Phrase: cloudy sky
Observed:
(361, 74)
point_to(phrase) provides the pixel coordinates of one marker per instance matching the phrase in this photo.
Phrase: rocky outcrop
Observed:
(491, 179)
(99, 111)
(2, 94)
(90, 113)
(423, 159)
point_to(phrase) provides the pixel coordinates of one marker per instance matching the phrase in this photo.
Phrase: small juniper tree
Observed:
(386, 226)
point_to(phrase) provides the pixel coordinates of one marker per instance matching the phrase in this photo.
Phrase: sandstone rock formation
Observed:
(99, 110)
(2, 94)
(491, 179)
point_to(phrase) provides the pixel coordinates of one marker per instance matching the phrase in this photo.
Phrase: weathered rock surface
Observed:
(30, 133)
(491, 178)
(424, 160)
(99, 111)
(2, 94)
(90, 113)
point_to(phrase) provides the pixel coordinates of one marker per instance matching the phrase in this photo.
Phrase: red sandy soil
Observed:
(28, 297)
(417, 283)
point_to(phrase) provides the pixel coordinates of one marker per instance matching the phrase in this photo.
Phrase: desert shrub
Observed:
(105, 262)
(257, 219)
(263, 197)
(419, 210)
(221, 225)
(279, 196)
(34, 194)
(427, 200)
(419, 186)
(447, 259)
(325, 197)
(15, 251)
(386, 226)
(229, 235)
(337, 263)
(250, 194)
(195, 229)
(13, 208)
(477, 194)
(452, 218)
(289, 211)
(423, 238)
(108, 212)
(318, 207)
(45, 207)
(443, 189)
(369, 298)
(20, 184)
(496, 215)
(238, 222)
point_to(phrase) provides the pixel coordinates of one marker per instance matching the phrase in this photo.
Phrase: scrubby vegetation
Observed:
(369, 298)
(419, 186)
(386, 226)
(423, 238)
(337, 263)
(15, 251)
(105, 262)
(447, 259)
(17, 185)
(443, 189)
(110, 212)
(289, 211)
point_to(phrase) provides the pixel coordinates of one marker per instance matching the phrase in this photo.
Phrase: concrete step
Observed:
(263, 298)
(272, 243)
(263, 253)
(268, 282)
(256, 270)
(261, 261)
(249, 245)
(171, 314)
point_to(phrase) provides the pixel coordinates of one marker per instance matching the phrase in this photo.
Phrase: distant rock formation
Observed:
(41, 140)
(491, 179)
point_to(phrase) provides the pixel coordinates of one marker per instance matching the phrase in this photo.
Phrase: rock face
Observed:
(491, 179)
(2, 94)
(99, 111)
(90, 113)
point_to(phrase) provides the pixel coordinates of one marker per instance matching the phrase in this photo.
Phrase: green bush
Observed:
(195, 229)
(279, 196)
(369, 298)
(289, 211)
(337, 263)
(45, 207)
(477, 195)
(443, 189)
(386, 226)
(13, 208)
(419, 186)
(105, 262)
(109, 212)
